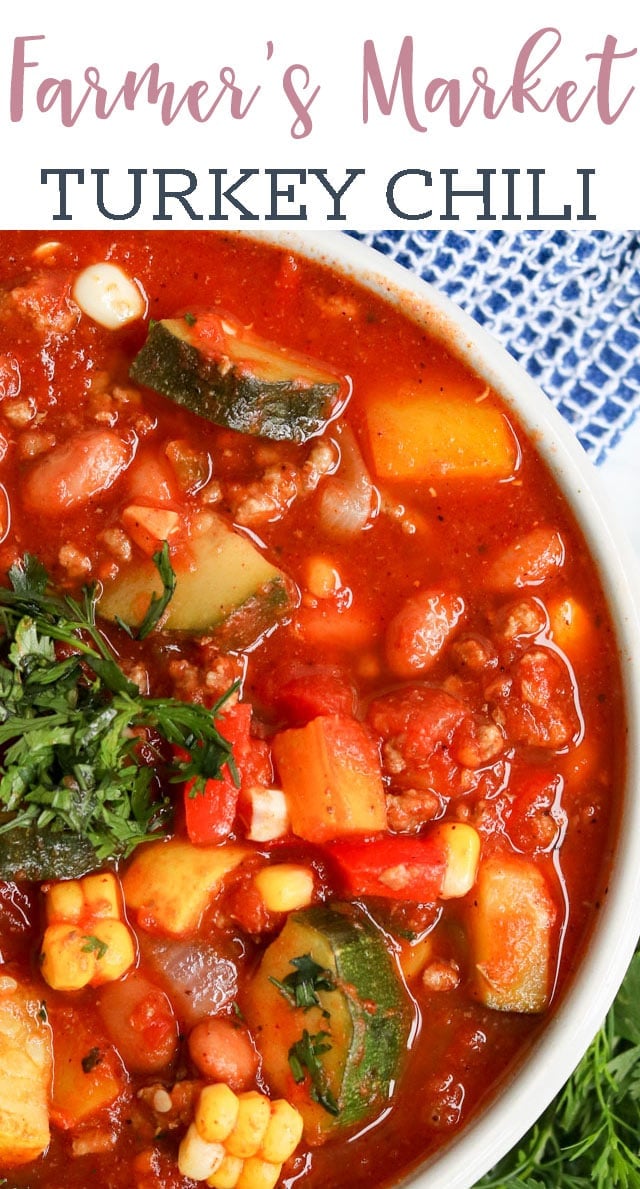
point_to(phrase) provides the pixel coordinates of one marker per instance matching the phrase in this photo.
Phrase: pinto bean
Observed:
(70, 475)
(418, 633)
(527, 562)
(222, 1051)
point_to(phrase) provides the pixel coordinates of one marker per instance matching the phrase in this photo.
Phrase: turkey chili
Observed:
(311, 723)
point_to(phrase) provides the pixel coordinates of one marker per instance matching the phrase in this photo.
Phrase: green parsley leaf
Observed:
(70, 722)
(190, 319)
(304, 1058)
(588, 1136)
(93, 1058)
(300, 988)
(159, 603)
(95, 946)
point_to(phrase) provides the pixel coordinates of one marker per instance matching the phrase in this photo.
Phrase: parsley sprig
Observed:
(300, 988)
(588, 1137)
(304, 1058)
(70, 722)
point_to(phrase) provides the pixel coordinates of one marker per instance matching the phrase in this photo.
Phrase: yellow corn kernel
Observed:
(322, 578)
(283, 1133)
(119, 954)
(258, 1174)
(414, 956)
(196, 1158)
(227, 1176)
(216, 1113)
(284, 887)
(101, 895)
(65, 901)
(254, 1112)
(68, 962)
(462, 848)
(571, 625)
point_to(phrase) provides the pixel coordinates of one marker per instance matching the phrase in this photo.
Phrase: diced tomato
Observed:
(418, 717)
(537, 701)
(210, 814)
(315, 691)
(534, 817)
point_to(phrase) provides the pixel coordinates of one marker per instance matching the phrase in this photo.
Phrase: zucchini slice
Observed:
(224, 585)
(356, 1034)
(28, 853)
(216, 367)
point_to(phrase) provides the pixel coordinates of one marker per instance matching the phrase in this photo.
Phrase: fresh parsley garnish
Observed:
(71, 722)
(304, 1058)
(588, 1137)
(190, 319)
(300, 988)
(93, 1058)
(93, 945)
(158, 603)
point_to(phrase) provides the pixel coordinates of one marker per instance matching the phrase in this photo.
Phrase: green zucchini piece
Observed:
(224, 585)
(27, 853)
(359, 1030)
(216, 367)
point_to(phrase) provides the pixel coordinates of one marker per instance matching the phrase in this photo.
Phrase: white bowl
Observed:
(522, 1097)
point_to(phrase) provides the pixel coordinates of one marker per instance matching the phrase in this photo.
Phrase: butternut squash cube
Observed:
(511, 923)
(331, 777)
(433, 431)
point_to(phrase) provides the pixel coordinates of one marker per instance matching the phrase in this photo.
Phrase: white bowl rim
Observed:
(526, 1092)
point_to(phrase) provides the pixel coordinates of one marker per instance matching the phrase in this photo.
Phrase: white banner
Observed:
(320, 115)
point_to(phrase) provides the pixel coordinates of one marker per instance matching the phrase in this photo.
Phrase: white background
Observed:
(196, 40)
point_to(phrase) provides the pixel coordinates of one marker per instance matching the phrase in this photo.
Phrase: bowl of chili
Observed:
(318, 828)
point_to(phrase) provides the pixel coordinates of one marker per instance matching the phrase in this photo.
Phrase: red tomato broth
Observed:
(441, 535)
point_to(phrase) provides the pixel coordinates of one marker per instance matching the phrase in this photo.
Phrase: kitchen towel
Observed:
(565, 303)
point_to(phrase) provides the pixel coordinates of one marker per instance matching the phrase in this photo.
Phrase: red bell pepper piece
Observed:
(210, 814)
(395, 867)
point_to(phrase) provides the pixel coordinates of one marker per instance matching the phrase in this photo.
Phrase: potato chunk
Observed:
(170, 884)
(25, 1075)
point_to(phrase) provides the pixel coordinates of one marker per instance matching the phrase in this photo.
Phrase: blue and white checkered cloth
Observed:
(566, 304)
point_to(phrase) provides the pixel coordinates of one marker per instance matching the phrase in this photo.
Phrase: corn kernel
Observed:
(462, 850)
(571, 625)
(285, 887)
(258, 1174)
(283, 1133)
(119, 954)
(254, 1112)
(85, 941)
(413, 957)
(65, 901)
(67, 963)
(323, 580)
(196, 1158)
(228, 1174)
(101, 895)
(108, 296)
(216, 1113)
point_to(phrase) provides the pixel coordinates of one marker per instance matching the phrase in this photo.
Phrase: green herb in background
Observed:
(590, 1134)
